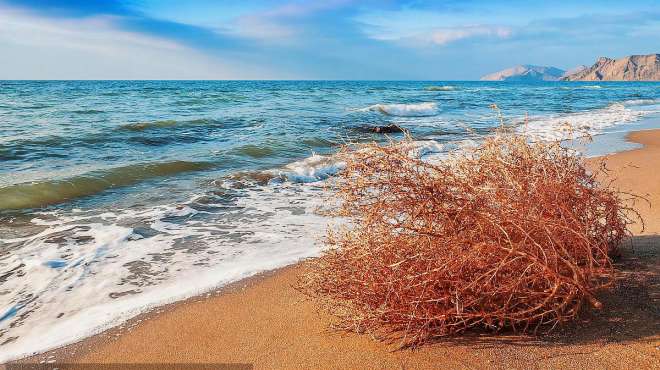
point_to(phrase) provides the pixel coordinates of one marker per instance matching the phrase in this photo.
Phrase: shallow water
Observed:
(116, 196)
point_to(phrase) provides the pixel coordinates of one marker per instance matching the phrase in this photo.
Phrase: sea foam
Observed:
(404, 110)
(440, 88)
(312, 169)
(85, 272)
(592, 122)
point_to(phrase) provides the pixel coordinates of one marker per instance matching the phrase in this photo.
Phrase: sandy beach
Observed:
(263, 321)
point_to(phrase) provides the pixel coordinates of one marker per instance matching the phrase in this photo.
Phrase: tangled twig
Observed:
(510, 234)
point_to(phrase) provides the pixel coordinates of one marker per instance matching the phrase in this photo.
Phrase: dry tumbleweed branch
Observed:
(510, 234)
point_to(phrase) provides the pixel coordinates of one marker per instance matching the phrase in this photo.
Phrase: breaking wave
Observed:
(44, 193)
(312, 169)
(142, 126)
(641, 102)
(320, 167)
(404, 110)
(564, 126)
(440, 88)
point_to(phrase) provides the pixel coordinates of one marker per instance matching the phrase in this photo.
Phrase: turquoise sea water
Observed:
(116, 196)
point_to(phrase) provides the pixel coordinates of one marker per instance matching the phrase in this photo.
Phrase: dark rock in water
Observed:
(389, 129)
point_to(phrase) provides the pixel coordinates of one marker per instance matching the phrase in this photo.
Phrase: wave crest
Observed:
(440, 88)
(41, 194)
(404, 110)
(312, 169)
(141, 126)
(565, 126)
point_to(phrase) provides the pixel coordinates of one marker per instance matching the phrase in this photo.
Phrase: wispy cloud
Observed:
(283, 22)
(424, 28)
(95, 47)
(443, 36)
(95, 34)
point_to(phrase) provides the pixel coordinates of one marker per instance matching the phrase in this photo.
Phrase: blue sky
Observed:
(304, 39)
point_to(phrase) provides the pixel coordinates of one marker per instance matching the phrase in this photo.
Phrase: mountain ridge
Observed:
(628, 68)
(526, 72)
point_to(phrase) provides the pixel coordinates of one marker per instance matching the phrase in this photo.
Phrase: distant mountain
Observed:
(526, 73)
(630, 68)
(574, 70)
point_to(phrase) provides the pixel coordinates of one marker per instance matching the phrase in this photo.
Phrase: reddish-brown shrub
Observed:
(510, 234)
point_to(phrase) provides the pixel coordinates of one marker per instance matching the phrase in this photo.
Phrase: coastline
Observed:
(263, 321)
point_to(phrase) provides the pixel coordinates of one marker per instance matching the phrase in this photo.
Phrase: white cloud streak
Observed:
(281, 23)
(36, 47)
(443, 36)
(440, 36)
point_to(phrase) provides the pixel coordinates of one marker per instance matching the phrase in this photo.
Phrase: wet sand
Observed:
(265, 322)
